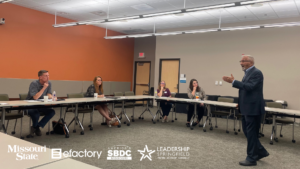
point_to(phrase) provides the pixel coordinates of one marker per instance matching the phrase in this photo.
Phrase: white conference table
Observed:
(123, 99)
(25, 104)
(208, 103)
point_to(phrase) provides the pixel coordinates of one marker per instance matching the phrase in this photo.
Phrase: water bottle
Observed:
(53, 96)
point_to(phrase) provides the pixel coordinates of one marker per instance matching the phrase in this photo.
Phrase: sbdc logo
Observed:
(120, 152)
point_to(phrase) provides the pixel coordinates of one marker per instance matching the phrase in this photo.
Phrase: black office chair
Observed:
(222, 111)
(11, 115)
(82, 109)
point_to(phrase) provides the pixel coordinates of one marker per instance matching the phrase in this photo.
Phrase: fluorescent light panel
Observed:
(202, 31)
(256, 1)
(282, 24)
(168, 33)
(211, 7)
(239, 28)
(139, 35)
(64, 25)
(163, 13)
(5, 1)
(115, 37)
(117, 19)
(209, 30)
(90, 22)
(171, 12)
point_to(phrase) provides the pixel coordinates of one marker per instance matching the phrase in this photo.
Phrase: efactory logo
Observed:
(57, 153)
(146, 153)
(119, 152)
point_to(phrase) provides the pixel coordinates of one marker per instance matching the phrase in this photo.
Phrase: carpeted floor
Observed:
(212, 149)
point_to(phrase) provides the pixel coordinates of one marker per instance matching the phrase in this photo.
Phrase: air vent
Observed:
(99, 13)
(133, 31)
(62, 13)
(142, 7)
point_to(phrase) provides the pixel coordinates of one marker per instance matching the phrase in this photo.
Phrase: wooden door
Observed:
(170, 74)
(142, 78)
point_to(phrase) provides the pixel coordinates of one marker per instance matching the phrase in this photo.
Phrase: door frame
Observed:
(160, 65)
(135, 68)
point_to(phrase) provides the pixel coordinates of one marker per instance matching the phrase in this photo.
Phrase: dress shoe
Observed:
(32, 131)
(38, 131)
(247, 163)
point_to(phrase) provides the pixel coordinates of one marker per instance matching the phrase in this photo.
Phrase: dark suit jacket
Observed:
(251, 99)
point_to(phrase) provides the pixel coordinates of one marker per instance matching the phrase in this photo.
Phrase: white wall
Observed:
(209, 56)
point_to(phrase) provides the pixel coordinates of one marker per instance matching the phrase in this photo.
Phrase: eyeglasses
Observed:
(242, 61)
(162, 83)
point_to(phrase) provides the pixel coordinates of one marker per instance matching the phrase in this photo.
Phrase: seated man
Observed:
(37, 90)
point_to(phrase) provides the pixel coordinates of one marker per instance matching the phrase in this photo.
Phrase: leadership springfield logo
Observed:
(173, 153)
(56, 153)
(146, 153)
(26, 153)
(119, 152)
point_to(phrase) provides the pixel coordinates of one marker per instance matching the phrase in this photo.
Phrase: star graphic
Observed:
(146, 151)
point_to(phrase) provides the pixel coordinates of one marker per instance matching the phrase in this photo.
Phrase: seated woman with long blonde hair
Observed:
(97, 87)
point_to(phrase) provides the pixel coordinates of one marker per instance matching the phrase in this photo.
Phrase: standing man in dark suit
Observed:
(252, 106)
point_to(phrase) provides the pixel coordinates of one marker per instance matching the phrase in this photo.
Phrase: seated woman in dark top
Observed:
(97, 87)
(162, 91)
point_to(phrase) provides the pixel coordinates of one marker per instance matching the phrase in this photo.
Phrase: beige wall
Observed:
(14, 87)
(145, 45)
(209, 56)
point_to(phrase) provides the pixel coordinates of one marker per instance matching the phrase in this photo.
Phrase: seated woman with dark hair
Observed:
(97, 87)
(192, 91)
(162, 91)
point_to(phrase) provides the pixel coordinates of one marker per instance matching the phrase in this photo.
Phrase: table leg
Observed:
(195, 115)
(147, 109)
(78, 121)
(208, 114)
(157, 112)
(273, 129)
(123, 111)
(3, 120)
(113, 111)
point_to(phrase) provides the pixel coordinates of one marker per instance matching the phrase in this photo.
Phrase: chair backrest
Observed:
(4, 97)
(235, 99)
(118, 94)
(274, 105)
(213, 97)
(75, 95)
(224, 99)
(173, 94)
(129, 93)
(23, 96)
